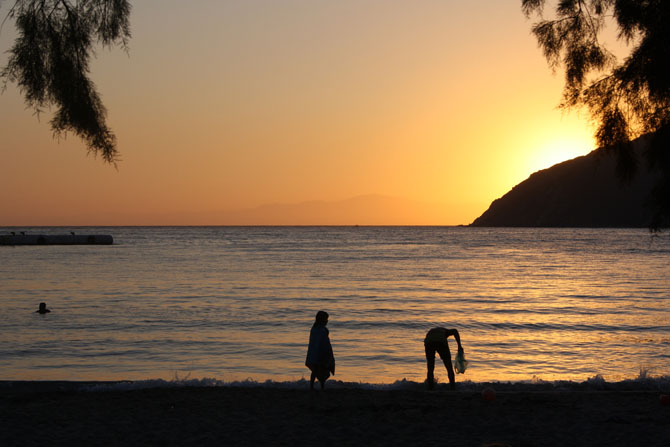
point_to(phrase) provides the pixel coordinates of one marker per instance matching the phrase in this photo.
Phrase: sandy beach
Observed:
(58, 414)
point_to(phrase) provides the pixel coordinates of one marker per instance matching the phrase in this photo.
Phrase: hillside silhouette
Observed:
(582, 192)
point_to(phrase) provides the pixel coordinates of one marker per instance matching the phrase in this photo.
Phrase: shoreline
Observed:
(67, 413)
(643, 382)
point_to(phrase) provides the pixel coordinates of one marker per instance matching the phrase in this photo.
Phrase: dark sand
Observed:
(57, 415)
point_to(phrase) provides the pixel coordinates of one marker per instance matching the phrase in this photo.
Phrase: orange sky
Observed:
(225, 105)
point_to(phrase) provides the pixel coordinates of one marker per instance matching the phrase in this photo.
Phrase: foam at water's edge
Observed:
(642, 383)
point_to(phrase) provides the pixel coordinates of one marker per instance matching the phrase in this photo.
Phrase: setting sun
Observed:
(560, 150)
(548, 145)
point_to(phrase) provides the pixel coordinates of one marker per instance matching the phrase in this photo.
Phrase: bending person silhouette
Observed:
(320, 359)
(436, 341)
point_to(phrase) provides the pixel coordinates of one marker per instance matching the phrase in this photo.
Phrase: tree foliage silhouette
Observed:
(50, 58)
(625, 99)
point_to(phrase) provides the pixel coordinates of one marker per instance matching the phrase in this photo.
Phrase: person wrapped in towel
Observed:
(320, 359)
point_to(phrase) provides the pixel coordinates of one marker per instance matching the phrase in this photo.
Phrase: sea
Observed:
(236, 304)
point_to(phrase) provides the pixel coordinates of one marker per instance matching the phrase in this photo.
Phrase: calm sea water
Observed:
(235, 303)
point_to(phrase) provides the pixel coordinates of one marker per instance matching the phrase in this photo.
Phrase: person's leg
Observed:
(311, 380)
(430, 363)
(322, 375)
(445, 355)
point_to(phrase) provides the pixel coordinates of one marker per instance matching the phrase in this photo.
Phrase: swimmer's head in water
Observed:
(43, 308)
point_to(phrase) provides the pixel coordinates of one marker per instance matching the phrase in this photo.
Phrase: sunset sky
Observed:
(229, 105)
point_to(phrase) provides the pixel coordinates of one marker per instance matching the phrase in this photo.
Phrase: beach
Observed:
(60, 413)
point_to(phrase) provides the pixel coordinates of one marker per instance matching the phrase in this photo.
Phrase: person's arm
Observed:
(454, 332)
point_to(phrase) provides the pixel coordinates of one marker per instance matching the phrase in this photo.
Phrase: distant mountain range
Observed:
(371, 209)
(582, 192)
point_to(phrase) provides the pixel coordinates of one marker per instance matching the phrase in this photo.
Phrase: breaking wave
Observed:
(644, 382)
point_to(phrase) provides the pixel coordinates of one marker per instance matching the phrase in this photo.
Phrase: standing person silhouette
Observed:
(320, 359)
(436, 341)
